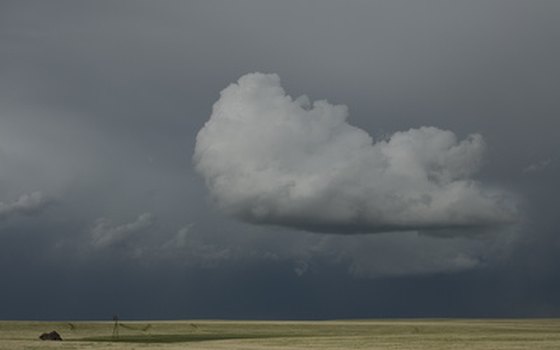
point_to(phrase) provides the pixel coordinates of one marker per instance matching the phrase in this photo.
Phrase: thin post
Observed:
(116, 326)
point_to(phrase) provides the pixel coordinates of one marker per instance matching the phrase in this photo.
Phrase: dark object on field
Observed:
(116, 326)
(50, 336)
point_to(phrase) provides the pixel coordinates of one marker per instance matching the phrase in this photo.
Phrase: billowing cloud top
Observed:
(271, 159)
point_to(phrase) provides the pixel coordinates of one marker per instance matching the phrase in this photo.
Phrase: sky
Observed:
(279, 160)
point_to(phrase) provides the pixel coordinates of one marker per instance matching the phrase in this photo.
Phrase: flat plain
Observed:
(417, 334)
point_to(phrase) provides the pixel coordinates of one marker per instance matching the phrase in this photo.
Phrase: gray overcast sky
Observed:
(103, 210)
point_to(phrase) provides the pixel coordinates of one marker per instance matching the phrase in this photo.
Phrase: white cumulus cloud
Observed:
(104, 233)
(270, 159)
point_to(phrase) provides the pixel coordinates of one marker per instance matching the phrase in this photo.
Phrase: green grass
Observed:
(175, 338)
(425, 334)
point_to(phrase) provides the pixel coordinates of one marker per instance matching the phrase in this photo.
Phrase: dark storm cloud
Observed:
(100, 103)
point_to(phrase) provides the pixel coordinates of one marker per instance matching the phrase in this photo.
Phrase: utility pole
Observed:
(116, 326)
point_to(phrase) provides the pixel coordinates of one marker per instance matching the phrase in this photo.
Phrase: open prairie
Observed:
(349, 334)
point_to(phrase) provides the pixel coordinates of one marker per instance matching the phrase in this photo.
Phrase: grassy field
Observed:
(363, 334)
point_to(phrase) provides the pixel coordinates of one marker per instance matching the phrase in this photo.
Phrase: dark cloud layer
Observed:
(101, 102)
